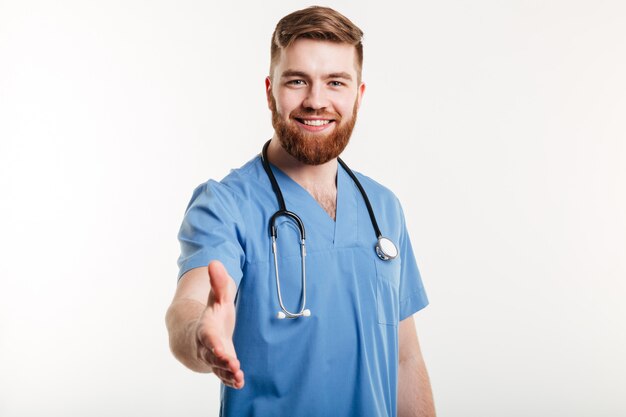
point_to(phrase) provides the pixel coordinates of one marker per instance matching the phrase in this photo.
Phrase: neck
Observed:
(310, 177)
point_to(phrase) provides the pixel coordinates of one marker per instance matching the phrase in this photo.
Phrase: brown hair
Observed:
(319, 23)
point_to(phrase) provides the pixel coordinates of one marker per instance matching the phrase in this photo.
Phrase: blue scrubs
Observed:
(343, 359)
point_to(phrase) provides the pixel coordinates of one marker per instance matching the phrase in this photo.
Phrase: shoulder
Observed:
(378, 192)
(386, 207)
(235, 186)
(245, 180)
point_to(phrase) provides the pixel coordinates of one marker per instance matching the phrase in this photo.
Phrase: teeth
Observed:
(316, 122)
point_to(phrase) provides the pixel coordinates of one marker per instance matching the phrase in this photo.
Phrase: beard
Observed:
(312, 148)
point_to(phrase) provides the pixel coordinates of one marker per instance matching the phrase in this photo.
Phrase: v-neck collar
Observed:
(340, 232)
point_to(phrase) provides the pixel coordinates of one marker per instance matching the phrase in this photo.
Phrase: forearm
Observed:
(415, 397)
(181, 320)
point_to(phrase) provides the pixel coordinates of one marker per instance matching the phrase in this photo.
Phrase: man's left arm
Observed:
(415, 397)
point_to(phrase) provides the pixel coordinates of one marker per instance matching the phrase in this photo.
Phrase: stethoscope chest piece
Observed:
(386, 249)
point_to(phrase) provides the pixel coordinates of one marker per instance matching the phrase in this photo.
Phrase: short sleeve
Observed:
(212, 230)
(412, 294)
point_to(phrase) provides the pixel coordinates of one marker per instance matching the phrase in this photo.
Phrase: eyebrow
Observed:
(343, 75)
(294, 73)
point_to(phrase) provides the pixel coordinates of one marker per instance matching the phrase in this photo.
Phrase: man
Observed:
(348, 344)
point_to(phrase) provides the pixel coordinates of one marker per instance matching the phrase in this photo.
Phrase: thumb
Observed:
(220, 283)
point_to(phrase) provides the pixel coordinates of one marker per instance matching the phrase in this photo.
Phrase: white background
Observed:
(500, 125)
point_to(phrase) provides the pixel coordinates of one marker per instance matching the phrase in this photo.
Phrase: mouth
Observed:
(314, 124)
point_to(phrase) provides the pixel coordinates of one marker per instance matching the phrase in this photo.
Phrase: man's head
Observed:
(314, 88)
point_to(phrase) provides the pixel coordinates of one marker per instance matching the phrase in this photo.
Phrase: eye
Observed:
(336, 84)
(295, 82)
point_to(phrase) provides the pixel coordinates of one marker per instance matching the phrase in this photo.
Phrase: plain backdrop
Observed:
(499, 124)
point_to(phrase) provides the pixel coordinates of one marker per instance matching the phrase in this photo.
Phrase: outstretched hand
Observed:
(214, 331)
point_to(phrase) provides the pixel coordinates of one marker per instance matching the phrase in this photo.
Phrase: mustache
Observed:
(314, 113)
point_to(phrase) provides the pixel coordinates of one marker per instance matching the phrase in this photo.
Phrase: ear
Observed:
(268, 91)
(359, 95)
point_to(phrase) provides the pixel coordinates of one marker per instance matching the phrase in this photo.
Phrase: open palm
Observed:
(214, 332)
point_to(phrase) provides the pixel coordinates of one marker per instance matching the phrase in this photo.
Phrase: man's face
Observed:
(314, 95)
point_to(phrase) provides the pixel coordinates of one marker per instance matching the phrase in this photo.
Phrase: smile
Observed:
(315, 122)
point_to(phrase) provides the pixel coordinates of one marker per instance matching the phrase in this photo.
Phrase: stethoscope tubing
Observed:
(385, 248)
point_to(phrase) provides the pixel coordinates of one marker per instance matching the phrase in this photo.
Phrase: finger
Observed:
(212, 342)
(234, 379)
(217, 351)
(213, 361)
(211, 350)
(239, 380)
(229, 379)
(225, 376)
(228, 363)
(220, 281)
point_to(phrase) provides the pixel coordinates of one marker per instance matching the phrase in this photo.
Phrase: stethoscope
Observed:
(385, 248)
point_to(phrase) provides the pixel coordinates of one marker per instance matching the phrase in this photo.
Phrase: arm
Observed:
(415, 397)
(201, 320)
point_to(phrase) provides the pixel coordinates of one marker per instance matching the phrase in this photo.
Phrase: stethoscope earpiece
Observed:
(281, 314)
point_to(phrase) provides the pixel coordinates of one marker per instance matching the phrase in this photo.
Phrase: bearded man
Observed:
(318, 321)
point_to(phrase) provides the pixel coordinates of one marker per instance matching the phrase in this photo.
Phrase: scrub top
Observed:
(343, 359)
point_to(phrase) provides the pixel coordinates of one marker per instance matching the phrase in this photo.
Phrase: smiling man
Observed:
(297, 280)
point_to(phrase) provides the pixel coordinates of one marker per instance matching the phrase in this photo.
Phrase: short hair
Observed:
(318, 23)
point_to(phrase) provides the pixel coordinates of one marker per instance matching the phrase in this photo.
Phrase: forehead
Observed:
(318, 57)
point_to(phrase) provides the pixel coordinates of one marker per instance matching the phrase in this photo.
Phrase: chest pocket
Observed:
(388, 291)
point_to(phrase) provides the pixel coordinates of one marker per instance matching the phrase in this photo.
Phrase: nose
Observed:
(316, 98)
